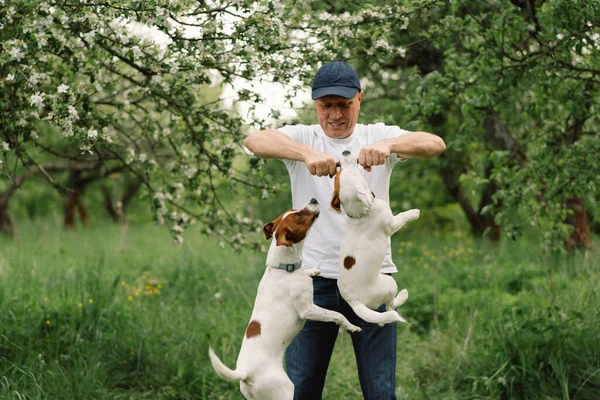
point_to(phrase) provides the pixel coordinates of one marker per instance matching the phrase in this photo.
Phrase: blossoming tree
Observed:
(119, 85)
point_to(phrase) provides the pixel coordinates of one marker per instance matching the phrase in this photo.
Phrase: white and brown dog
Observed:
(284, 301)
(369, 224)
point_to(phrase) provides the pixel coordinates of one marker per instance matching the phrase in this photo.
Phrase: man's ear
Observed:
(335, 199)
(268, 230)
(285, 238)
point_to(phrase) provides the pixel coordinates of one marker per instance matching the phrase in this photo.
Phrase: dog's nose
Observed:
(313, 201)
(346, 153)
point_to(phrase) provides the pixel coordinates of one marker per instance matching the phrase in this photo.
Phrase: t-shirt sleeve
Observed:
(298, 133)
(391, 132)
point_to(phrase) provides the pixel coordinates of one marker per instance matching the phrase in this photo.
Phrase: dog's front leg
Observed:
(316, 313)
(401, 219)
(306, 309)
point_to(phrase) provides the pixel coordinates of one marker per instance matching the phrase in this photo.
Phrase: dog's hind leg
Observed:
(399, 299)
(375, 317)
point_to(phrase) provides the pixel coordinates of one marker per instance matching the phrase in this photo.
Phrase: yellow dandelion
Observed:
(79, 305)
(47, 322)
(160, 285)
(433, 258)
(227, 280)
(91, 301)
(45, 299)
(123, 283)
(130, 298)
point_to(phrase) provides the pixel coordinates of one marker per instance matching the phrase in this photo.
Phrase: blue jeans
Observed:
(307, 357)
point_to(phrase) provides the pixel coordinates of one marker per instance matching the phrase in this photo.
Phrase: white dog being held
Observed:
(284, 301)
(369, 224)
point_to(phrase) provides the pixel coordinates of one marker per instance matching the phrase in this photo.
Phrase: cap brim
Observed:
(343, 91)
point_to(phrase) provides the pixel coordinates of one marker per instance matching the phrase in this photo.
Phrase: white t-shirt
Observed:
(322, 246)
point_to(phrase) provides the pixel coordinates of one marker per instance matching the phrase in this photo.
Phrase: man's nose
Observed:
(336, 112)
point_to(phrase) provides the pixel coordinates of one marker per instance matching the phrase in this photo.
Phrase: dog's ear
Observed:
(285, 238)
(335, 199)
(268, 230)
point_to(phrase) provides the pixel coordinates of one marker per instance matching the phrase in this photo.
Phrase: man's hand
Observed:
(376, 154)
(320, 164)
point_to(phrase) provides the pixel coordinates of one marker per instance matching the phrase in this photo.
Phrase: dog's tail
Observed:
(376, 317)
(222, 370)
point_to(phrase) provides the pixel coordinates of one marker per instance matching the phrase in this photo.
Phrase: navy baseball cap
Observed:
(335, 79)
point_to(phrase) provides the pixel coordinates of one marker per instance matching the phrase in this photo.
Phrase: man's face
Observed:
(338, 115)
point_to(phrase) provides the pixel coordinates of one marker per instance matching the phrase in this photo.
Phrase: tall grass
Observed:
(86, 315)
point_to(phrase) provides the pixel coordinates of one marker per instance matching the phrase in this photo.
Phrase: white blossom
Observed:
(92, 133)
(5, 146)
(10, 77)
(89, 36)
(73, 112)
(404, 23)
(325, 16)
(190, 172)
(37, 99)
(16, 53)
(177, 228)
(137, 52)
(63, 88)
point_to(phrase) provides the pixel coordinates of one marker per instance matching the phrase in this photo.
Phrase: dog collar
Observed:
(287, 267)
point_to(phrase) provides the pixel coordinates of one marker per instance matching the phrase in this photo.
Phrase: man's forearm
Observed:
(274, 144)
(417, 145)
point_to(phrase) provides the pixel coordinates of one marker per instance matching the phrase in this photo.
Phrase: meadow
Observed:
(99, 313)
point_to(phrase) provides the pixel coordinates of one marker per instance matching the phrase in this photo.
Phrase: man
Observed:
(310, 154)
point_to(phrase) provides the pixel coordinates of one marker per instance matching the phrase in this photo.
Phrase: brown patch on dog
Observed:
(253, 329)
(291, 229)
(271, 227)
(335, 199)
(349, 262)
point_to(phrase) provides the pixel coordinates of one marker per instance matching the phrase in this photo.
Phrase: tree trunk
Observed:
(117, 211)
(7, 222)
(73, 201)
(581, 237)
(490, 228)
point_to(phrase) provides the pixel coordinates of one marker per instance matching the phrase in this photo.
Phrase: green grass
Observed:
(93, 314)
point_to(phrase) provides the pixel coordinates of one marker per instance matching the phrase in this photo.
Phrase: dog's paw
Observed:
(413, 214)
(352, 328)
(312, 271)
(401, 298)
